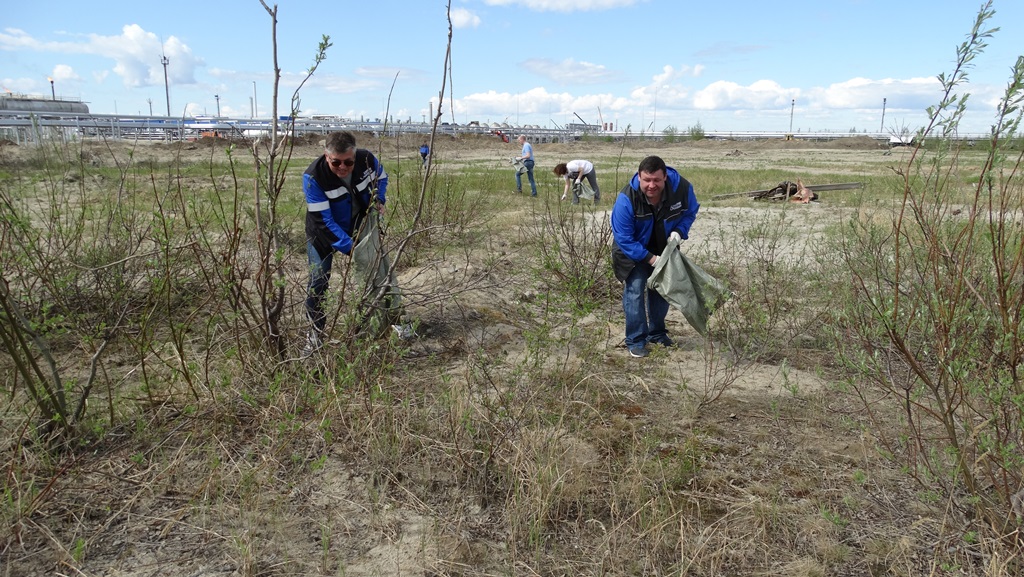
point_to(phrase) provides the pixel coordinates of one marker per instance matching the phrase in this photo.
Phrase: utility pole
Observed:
(792, 107)
(150, 101)
(882, 128)
(655, 109)
(217, 98)
(167, 89)
(53, 94)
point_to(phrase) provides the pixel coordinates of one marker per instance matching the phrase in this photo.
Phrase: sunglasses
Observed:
(336, 163)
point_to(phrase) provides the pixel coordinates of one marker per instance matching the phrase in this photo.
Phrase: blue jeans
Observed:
(645, 309)
(529, 173)
(319, 279)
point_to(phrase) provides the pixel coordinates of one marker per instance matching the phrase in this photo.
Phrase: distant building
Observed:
(20, 103)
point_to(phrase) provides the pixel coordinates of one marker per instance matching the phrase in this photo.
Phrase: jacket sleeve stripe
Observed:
(336, 193)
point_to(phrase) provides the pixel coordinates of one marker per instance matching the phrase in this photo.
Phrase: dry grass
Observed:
(513, 436)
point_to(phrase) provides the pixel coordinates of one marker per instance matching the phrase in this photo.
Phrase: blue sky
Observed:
(729, 65)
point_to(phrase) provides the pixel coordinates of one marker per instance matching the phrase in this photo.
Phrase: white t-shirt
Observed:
(580, 167)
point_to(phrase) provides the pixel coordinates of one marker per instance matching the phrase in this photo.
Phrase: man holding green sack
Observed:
(656, 205)
(341, 187)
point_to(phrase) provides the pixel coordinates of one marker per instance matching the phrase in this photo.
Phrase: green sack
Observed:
(582, 189)
(687, 287)
(518, 165)
(371, 265)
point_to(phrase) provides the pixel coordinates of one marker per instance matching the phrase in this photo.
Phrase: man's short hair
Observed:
(340, 142)
(652, 164)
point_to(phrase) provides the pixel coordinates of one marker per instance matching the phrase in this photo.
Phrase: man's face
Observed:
(341, 164)
(652, 184)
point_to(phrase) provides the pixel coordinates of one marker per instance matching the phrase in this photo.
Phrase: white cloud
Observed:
(666, 89)
(135, 52)
(571, 72)
(16, 39)
(138, 57)
(670, 74)
(462, 18)
(537, 104)
(916, 93)
(725, 95)
(564, 5)
(63, 72)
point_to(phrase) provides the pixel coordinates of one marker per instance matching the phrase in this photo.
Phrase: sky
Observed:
(637, 65)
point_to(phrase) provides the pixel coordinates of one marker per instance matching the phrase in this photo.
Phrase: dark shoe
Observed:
(638, 352)
(665, 342)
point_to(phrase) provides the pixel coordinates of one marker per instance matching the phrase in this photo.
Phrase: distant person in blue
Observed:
(657, 204)
(528, 160)
(424, 151)
(341, 187)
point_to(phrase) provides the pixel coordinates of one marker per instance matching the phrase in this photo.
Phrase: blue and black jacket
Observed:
(633, 220)
(334, 211)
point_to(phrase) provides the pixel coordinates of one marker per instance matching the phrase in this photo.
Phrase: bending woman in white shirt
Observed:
(575, 171)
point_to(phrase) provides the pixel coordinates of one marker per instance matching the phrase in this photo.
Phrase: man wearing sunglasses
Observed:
(340, 187)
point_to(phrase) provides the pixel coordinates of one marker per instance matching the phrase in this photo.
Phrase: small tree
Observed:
(696, 131)
(936, 307)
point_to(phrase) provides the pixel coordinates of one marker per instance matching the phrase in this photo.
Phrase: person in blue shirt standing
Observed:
(657, 204)
(528, 160)
(424, 151)
(341, 187)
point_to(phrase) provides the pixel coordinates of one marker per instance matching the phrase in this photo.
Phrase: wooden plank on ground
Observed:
(813, 187)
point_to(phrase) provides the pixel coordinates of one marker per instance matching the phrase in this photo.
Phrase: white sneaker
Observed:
(313, 344)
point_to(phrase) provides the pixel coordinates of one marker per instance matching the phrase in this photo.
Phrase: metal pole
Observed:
(792, 107)
(217, 98)
(167, 89)
(654, 122)
(255, 105)
(53, 94)
(882, 128)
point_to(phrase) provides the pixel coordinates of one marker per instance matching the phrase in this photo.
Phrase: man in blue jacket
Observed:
(424, 151)
(656, 204)
(340, 187)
